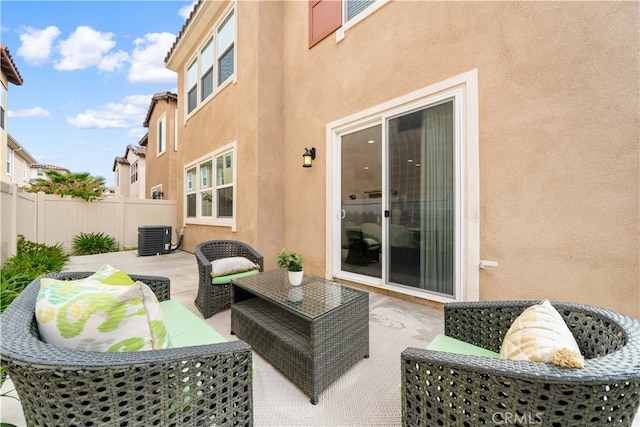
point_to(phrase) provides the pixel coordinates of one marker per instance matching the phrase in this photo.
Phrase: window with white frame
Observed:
(3, 106)
(210, 188)
(214, 64)
(355, 7)
(162, 134)
(9, 162)
(157, 193)
(329, 16)
(134, 172)
(25, 170)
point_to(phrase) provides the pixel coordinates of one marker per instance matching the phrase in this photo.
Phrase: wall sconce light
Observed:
(308, 157)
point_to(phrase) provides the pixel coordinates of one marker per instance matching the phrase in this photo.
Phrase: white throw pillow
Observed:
(231, 265)
(540, 334)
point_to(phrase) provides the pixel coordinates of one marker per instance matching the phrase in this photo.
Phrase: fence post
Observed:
(120, 221)
(40, 217)
(8, 227)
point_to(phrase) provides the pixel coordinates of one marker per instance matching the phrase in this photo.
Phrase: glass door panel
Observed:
(420, 195)
(361, 202)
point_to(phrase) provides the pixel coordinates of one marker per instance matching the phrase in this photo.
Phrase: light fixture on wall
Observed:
(308, 157)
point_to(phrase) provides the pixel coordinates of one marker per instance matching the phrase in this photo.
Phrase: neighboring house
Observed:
(8, 74)
(40, 171)
(19, 163)
(161, 144)
(130, 172)
(464, 150)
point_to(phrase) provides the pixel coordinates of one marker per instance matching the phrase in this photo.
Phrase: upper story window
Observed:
(134, 172)
(210, 188)
(327, 16)
(214, 64)
(9, 162)
(3, 106)
(162, 134)
(354, 7)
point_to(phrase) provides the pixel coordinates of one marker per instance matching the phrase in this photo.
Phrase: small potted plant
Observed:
(292, 261)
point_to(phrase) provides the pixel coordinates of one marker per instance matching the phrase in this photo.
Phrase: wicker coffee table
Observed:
(312, 333)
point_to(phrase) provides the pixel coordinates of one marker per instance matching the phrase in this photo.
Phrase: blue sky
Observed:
(89, 70)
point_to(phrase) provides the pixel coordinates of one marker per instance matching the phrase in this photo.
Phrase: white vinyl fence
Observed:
(53, 219)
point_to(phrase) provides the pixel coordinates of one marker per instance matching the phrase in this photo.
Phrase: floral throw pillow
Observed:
(87, 314)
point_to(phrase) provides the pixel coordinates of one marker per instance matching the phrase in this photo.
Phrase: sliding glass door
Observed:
(398, 192)
(421, 189)
(361, 202)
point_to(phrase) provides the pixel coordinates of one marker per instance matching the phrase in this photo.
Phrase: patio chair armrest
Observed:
(449, 386)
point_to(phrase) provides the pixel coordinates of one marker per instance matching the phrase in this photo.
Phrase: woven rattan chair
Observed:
(213, 298)
(189, 386)
(449, 389)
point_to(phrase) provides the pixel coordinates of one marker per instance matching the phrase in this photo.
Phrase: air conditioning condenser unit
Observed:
(154, 240)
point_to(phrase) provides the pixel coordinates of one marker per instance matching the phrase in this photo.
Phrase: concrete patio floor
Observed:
(367, 395)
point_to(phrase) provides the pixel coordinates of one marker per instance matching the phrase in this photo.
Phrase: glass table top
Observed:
(313, 298)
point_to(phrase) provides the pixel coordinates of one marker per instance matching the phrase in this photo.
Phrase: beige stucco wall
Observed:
(248, 112)
(558, 122)
(559, 131)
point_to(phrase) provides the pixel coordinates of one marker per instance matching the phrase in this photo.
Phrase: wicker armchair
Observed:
(196, 386)
(456, 390)
(213, 298)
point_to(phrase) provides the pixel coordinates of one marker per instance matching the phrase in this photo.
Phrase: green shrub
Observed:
(36, 259)
(12, 283)
(30, 261)
(94, 243)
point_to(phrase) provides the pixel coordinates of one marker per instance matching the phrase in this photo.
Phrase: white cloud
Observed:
(185, 11)
(147, 59)
(36, 44)
(113, 61)
(84, 48)
(29, 112)
(138, 132)
(131, 112)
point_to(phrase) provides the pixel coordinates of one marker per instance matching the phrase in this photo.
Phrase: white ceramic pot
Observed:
(295, 277)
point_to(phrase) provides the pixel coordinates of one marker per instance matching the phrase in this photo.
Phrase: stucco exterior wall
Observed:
(162, 169)
(559, 131)
(249, 112)
(558, 121)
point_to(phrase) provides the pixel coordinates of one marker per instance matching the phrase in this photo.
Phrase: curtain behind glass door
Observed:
(421, 199)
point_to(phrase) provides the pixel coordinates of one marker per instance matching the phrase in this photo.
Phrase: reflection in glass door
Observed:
(421, 195)
(361, 202)
(398, 218)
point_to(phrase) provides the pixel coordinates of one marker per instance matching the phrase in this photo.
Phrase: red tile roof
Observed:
(167, 96)
(9, 67)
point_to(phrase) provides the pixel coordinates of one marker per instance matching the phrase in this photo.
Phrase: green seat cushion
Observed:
(222, 280)
(185, 328)
(452, 345)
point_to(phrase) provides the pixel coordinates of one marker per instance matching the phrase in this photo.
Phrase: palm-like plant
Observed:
(75, 184)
